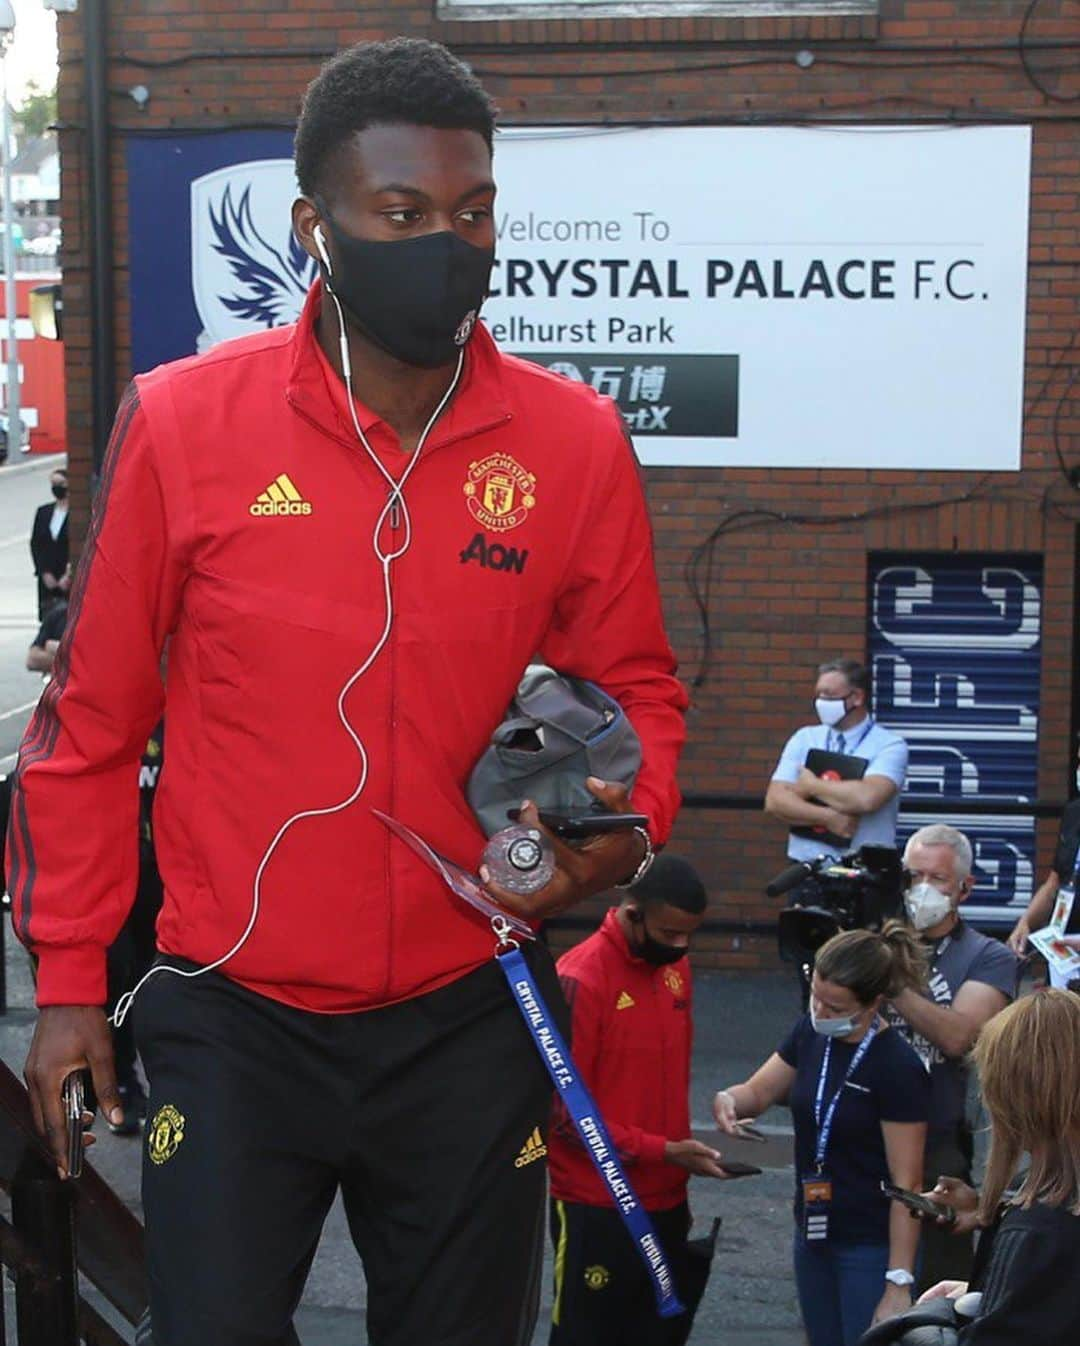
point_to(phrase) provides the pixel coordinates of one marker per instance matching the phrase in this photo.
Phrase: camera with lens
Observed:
(859, 891)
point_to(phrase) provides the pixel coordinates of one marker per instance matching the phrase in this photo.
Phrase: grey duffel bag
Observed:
(557, 731)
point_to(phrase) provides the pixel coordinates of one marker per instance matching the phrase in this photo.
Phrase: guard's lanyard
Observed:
(825, 1128)
(586, 1118)
(849, 748)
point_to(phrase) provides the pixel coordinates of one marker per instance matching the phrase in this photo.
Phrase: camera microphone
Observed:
(789, 878)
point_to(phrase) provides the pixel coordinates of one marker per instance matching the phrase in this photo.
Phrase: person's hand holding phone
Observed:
(590, 866)
(697, 1157)
(69, 1038)
(961, 1199)
(77, 1118)
(726, 1113)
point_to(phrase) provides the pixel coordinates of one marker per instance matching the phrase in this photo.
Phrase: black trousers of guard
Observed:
(603, 1294)
(420, 1112)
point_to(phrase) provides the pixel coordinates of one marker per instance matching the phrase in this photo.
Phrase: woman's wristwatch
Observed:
(900, 1276)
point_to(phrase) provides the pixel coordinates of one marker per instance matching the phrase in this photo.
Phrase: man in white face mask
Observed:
(834, 816)
(972, 977)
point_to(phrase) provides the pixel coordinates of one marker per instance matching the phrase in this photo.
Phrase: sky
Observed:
(33, 53)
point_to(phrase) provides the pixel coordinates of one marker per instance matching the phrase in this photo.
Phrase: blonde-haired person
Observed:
(860, 1100)
(1028, 1059)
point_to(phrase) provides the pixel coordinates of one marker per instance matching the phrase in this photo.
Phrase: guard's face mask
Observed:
(830, 711)
(417, 298)
(59, 491)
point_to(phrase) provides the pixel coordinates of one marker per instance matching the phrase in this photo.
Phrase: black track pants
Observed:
(425, 1113)
(603, 1294)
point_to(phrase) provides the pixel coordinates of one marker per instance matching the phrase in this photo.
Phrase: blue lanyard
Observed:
(590, 1126)
(849, 748)
(825, 1128)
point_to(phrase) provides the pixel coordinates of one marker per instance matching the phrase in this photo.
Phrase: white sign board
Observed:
(776, 297)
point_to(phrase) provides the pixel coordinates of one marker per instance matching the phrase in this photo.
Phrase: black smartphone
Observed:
(73, 1098)
(577, 825)
(735, 1168)
(921, 1205)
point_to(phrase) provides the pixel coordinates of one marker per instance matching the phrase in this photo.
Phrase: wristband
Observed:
(900, 1276)
(646, 862)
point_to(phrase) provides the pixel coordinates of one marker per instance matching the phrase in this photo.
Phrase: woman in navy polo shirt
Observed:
(860, 1100)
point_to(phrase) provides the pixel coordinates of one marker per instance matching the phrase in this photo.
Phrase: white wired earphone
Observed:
(394, 500)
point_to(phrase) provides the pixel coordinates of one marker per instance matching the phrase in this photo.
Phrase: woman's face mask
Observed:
(834, 1028)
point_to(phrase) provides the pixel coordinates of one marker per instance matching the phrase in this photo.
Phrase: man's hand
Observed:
(592, 867)
(843, 824)
(807, 785)
(696, 1157)
(49, 579)
(895, 1300)
(67, 1038)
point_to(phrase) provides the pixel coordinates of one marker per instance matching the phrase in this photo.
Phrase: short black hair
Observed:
(406, 80)
(672, 881)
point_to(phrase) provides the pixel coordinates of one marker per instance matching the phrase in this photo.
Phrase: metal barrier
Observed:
(57, 1230)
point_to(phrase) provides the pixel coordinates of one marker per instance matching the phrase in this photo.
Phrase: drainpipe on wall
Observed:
(102, 322)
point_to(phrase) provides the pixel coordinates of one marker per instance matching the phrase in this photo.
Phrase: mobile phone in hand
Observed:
(921, 1205)
(576, 826)
(735, 1168)
(73, 1098)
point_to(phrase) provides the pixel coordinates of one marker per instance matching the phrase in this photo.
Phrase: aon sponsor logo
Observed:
(494, 556)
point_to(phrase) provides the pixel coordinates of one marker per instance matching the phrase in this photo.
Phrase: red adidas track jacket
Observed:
(631, 1037)
(235, 519)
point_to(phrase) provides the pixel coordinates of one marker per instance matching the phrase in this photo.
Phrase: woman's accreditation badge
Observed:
(817, 1198)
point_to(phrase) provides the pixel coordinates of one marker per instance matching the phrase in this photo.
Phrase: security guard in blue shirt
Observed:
(855, 812)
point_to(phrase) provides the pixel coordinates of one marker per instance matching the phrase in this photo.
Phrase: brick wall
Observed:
(783, 598)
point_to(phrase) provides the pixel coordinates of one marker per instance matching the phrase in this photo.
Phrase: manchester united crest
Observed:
(673, 981)
(499, 492)
(165, 1133)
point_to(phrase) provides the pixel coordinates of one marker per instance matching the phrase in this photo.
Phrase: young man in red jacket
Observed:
(630, 999)
(331, 1016)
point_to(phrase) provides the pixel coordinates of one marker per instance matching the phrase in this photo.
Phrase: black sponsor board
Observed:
(693, 395)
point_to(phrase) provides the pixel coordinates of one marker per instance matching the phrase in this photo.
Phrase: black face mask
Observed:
(652, 950)
(417, 298)
(60, 492)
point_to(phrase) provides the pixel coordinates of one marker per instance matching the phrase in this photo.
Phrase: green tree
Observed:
(37, 112)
